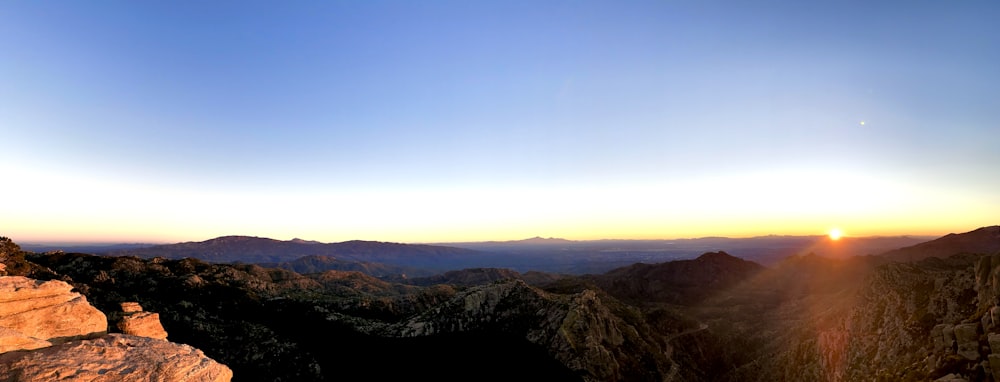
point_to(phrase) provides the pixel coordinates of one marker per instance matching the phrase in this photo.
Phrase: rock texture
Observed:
(47, 310)
(11, 340)
(115, 357)
(139, 323)
(581, 331)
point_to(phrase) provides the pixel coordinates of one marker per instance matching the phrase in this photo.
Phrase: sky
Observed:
(437, 121)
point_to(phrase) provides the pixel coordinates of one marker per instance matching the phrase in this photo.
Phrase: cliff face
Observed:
(905, 322)
(579, 330)
(48, 332)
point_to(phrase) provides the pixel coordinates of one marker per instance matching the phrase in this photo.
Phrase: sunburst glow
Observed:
(835, 234)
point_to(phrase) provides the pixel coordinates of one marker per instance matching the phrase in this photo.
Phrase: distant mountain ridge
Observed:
(553, 255)
(985, 240)
(249, 249)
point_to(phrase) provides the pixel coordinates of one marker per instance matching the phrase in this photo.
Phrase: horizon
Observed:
(456, 121)
(54, 242)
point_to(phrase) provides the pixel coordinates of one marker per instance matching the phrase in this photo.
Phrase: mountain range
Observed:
(535, 254)
(714, 317)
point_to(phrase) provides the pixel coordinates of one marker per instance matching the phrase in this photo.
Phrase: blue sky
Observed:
(438, 121)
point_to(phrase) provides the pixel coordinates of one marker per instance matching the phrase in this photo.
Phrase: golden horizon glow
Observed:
(747, 205)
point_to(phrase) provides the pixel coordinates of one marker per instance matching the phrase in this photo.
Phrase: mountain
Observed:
(677, 282)
(320, 263)
(247, 249)
(599, 256)
(985, 240)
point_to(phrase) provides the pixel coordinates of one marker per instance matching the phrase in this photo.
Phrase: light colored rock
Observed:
(968, 340)
(131, 307)
(11, 340)
(114, 357)
(143, 324)
(48, 310)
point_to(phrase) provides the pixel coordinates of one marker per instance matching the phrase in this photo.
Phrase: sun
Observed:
(835, 234)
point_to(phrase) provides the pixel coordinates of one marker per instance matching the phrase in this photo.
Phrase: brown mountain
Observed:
(985, 240)
(248, 249)
(681, 281)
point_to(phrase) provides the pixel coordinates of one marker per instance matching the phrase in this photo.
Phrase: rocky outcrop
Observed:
(48, 332)
(581, 331)
(45, 311)
(139, 323)
(114, 357)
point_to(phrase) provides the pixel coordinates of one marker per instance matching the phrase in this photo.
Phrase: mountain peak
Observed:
(718, 256)
(542, 240)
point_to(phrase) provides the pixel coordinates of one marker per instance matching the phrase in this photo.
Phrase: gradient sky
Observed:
(478, 120)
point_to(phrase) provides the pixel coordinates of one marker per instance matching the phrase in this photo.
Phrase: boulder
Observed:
(138, 323)
(968, 340)
(114, 357)
(131, 307)
(48, 310)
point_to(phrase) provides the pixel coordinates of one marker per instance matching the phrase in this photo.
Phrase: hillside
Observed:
(982, 240)
(677, 282)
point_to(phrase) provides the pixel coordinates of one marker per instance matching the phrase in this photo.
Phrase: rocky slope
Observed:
(582, 331)
(319, 263)
(869, 319)
(985, 240)
(113, 358)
